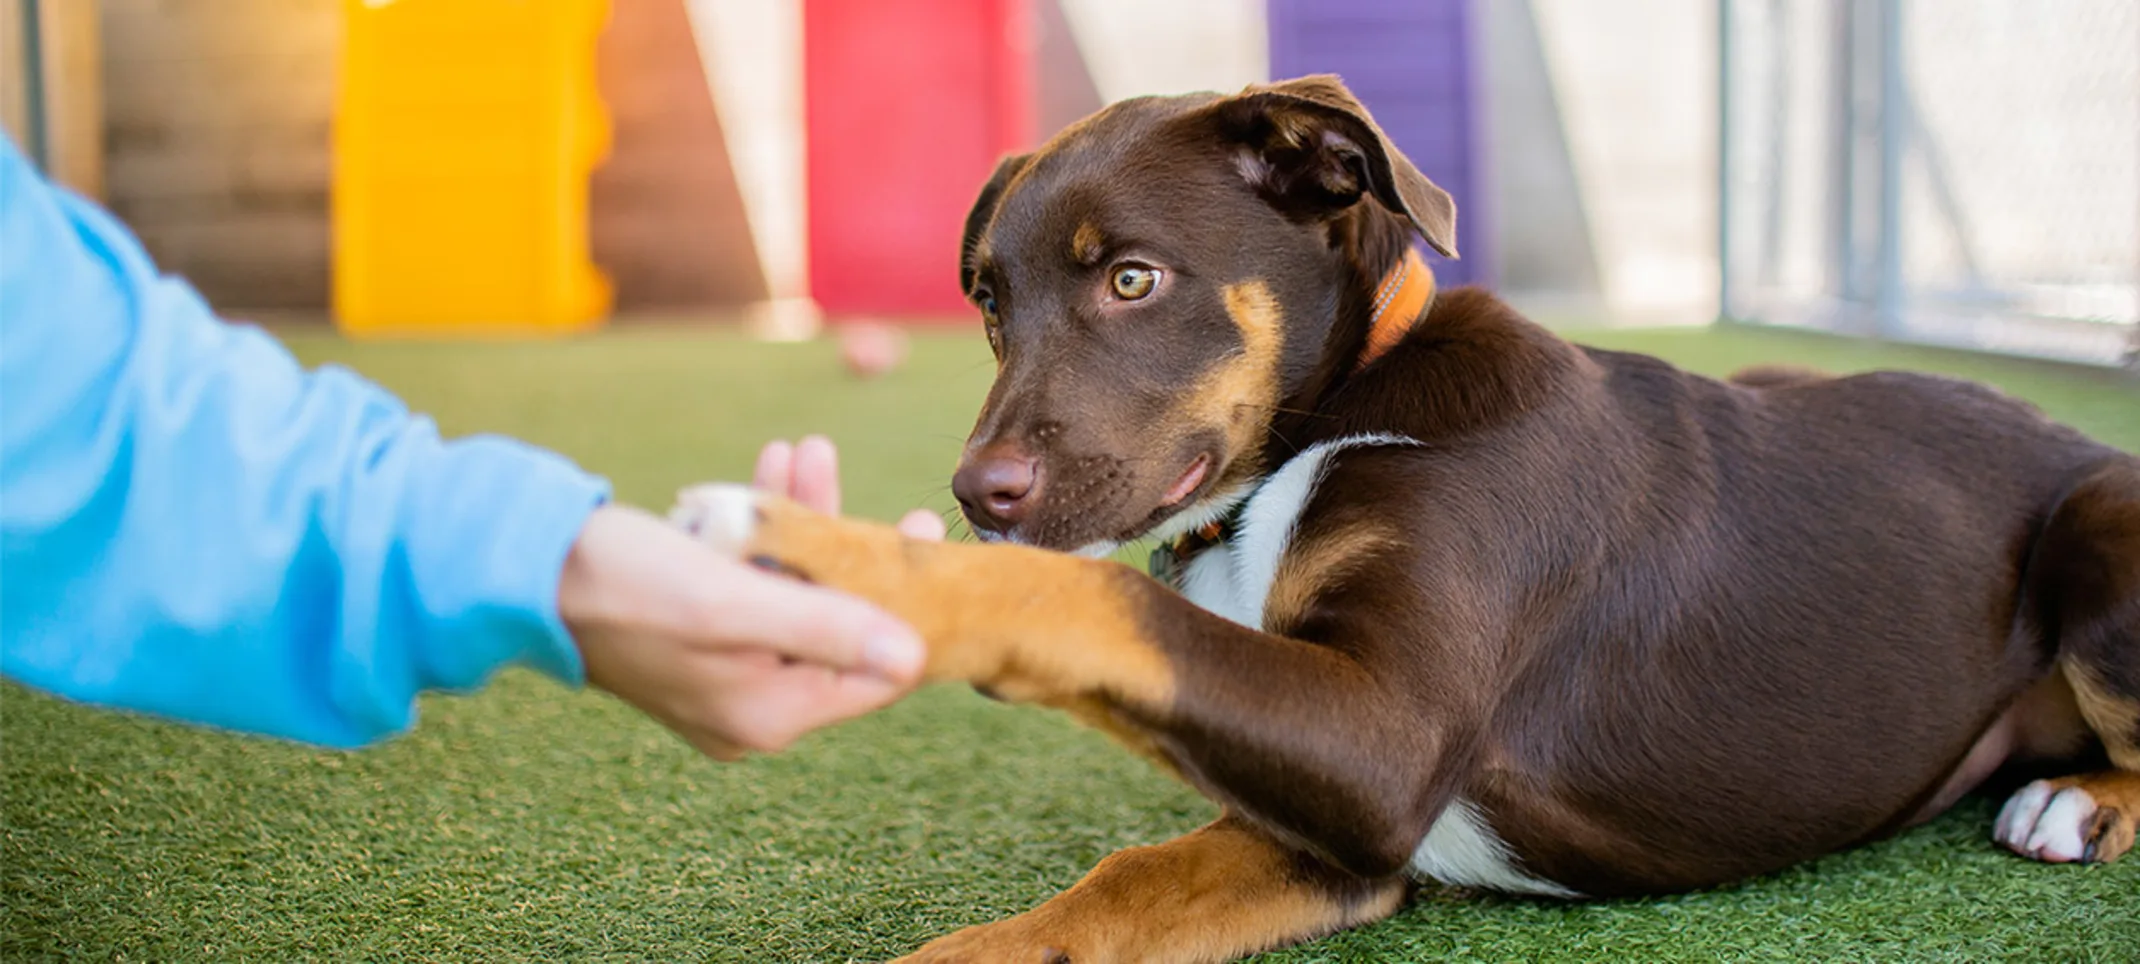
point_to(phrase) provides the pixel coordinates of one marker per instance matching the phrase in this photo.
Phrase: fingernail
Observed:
(893, 651)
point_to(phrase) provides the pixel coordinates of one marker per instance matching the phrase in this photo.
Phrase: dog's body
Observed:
(1678, 610)
(1483, 606)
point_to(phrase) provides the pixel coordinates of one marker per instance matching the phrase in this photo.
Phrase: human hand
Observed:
(733, 659)
(809, 473)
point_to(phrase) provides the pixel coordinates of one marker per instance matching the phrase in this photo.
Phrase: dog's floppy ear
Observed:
(1309, 145)
(984, 207)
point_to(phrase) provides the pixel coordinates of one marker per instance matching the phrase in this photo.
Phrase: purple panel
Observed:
(1415, 64)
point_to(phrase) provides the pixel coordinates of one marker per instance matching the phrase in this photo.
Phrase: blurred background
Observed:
(1960, 172)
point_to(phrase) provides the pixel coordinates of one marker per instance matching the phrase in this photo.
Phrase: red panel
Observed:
(909, 104)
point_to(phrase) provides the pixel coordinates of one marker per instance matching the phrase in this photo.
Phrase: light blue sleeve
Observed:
(193, 526)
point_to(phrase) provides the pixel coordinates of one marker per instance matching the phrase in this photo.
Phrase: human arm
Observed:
(193, 526)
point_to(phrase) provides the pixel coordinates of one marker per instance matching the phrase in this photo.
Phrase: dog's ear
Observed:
(984, 207)
(1308, 145)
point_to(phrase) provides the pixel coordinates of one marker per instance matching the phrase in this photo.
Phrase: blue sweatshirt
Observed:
(193, 526)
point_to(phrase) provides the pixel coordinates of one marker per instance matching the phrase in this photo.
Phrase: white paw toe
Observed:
(2048, 826)
(2019, 815)
(721, 515)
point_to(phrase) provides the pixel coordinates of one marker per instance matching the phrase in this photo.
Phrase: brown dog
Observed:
(1456, 598)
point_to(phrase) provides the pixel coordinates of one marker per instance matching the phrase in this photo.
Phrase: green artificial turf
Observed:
(533, 822)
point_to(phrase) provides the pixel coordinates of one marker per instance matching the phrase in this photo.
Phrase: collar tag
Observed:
(1165, 565)
(1399, 299)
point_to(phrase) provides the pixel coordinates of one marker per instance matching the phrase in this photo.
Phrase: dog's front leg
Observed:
(1023, 624)
(1329, 778)
(1220, 893)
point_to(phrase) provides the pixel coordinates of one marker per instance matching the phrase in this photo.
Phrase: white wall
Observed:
(1636, 82)
(752, 50)
(1138, 47)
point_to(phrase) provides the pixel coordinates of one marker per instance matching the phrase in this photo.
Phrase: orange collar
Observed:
(1402, 295)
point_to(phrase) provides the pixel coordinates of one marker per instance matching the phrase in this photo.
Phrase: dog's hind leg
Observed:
(1220, 893)
(2084, 588)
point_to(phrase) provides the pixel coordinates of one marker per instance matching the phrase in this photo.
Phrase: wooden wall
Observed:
(668, 221)
(71, 89)
(216, 140)
(216, 135)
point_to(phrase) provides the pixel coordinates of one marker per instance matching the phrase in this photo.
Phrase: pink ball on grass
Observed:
(870, 349)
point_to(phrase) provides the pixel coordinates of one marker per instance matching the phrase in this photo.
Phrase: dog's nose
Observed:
(997, 487)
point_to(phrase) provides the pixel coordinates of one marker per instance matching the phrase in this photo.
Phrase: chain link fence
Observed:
(1952, 172)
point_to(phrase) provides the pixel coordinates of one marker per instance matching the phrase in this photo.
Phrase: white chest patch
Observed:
(1233, 579)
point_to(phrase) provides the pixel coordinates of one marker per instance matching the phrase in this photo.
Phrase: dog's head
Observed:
(1161, 280)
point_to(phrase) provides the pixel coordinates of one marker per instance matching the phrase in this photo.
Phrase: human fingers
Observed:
(816, 480)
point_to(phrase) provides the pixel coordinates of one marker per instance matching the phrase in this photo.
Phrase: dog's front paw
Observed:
(783, 536)
(720, 515)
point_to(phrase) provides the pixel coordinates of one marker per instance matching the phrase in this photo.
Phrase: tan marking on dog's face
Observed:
(1086, 244)
(1239, 394)
(1313, 566)
(2113, 718)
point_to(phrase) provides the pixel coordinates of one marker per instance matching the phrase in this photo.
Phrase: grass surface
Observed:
(532, 822)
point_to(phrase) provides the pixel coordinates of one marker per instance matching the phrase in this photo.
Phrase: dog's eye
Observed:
(991, 323)
(1134, 281)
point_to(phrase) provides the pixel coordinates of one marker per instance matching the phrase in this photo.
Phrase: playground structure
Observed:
(465, 137)
(506, 168)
